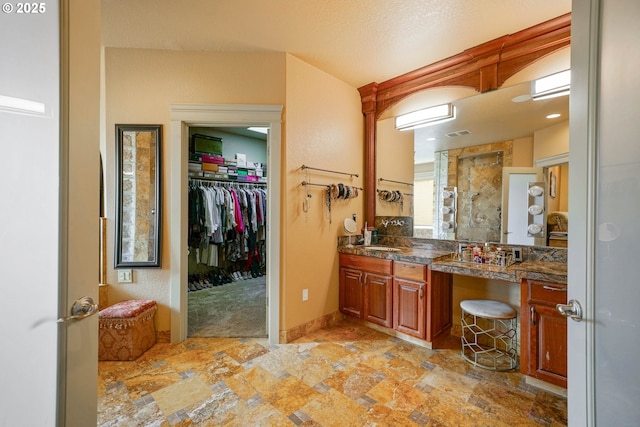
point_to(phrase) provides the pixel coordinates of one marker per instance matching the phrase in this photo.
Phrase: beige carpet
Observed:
(237, 309)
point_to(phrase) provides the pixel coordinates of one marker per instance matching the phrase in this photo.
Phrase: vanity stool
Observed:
(126, 330)
(489, 334)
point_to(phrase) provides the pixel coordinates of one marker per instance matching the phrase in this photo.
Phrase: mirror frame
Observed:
(484, 67)
(153, 261)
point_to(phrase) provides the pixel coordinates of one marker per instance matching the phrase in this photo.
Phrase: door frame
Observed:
(583, 134)
(507, 171)
(184, 116)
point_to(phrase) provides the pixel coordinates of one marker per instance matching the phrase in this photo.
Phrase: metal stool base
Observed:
(489, 343)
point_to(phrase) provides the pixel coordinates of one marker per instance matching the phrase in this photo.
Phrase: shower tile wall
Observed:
(477, 173)
(479, 197)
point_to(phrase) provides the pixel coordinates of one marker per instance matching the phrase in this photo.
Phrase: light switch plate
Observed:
(125, 276)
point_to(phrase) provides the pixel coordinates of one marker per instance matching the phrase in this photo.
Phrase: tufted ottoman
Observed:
(126, 330)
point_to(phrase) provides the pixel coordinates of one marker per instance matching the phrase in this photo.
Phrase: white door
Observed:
(604, 197)
(49, 216)
(515, 204)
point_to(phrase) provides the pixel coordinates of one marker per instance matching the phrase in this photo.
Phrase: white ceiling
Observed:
(357, 41)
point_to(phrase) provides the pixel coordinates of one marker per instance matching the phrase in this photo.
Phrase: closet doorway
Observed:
(184, 116)
(226, 234)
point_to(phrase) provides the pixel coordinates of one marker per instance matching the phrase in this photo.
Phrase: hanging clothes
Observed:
(226, 220)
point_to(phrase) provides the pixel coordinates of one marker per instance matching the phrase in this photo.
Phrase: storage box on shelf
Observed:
(226, 171)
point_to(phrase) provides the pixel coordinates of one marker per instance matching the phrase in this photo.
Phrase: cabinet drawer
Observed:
(553, 293)
(411, 271)
(370, 264)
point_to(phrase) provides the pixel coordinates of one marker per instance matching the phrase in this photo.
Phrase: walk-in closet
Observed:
(226, 233)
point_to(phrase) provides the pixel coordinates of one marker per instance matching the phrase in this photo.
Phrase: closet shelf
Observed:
(225, 180)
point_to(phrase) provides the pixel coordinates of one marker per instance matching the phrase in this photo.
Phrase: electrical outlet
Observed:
(305, 295)
(517, 254)
(125, 276)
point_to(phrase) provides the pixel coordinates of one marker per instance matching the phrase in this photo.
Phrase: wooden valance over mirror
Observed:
(483, 68)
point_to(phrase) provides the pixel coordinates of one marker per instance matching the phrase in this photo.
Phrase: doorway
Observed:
(183, 117)
(227, 196)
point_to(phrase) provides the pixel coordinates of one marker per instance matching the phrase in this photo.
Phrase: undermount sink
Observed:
(381, 248)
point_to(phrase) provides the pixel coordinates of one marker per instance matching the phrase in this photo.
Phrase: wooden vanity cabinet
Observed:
(421, 301)
(409, 299)
(365, 288)
(543, 342)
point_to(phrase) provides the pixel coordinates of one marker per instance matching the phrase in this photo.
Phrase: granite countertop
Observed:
(417, 255)
(439, 260)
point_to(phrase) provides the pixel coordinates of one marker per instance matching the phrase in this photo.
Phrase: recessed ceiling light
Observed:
(521, 98)
(553, 116)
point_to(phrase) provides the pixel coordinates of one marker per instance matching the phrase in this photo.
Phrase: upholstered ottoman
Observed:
(126, 330)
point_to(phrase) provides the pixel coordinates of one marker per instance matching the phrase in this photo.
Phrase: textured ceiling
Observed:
(357, 41)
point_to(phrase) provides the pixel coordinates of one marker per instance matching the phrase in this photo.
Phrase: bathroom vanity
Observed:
(406, 288)
(404, 296)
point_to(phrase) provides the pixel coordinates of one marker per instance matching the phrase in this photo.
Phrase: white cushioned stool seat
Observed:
(488, 308)
(489, 334)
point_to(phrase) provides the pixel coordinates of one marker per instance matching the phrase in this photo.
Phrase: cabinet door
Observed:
(543, 336)
(439, 304)
(377, 299)
(409, 306)
(351, 296)
(548, 345)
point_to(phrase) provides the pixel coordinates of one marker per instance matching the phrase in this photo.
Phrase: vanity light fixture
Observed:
(426, 117)
(551, 86)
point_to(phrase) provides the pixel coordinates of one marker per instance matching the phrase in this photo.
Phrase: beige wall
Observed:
(551, 141)
(522, 150)
(394, 158)
(324, 129)
(139, 87)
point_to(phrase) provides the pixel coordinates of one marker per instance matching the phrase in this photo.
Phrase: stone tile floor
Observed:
(346, 375)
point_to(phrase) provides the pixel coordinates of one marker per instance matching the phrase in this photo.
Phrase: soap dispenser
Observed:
(367, 235)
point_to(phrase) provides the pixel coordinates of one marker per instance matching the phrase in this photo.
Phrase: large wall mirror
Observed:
(455, 176)
(138, 219)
